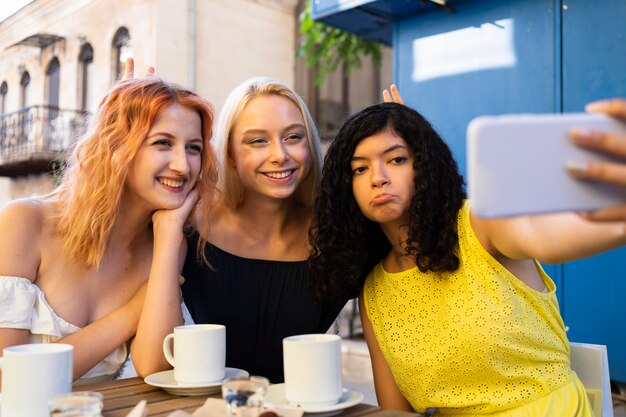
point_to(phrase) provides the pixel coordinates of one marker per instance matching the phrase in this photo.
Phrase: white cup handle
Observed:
(167, 348)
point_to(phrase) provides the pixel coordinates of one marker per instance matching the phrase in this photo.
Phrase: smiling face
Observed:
(382, 178)
(269, 147)
(168, 162)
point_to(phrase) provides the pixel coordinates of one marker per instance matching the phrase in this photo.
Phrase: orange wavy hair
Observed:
(93, 182)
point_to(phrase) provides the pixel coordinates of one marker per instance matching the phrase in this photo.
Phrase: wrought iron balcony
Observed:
(32, 138)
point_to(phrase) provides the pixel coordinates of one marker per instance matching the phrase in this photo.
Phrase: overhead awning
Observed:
(39, 40)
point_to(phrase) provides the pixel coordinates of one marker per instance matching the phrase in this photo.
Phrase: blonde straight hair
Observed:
(93, 183)
(231, 189)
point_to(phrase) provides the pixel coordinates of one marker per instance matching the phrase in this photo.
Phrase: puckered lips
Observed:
(381, 198)
(172, 183)
(279, 175)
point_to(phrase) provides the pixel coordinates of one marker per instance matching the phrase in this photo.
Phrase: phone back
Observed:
(516, 164)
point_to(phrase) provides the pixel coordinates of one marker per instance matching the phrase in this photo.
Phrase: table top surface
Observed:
(122, 395)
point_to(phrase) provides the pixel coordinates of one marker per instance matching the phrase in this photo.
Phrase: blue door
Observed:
(494, 57)
(490, 57)
(594, 67)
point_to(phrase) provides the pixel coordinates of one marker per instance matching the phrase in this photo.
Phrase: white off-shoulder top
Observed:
(23, 306)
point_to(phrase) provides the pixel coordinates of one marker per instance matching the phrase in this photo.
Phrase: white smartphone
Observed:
(516, 164)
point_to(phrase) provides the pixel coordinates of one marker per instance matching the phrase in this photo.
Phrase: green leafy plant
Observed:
(326, 48)
(57, 166)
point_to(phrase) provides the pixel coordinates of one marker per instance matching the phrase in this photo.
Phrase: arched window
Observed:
(53, 80)
(25, 89)
(4, 89)
(85, 78)
(121, 51)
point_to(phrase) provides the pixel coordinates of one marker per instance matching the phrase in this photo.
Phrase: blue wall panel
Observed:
(594, 52)
(483, 83)
(594, 67)
(593, 302)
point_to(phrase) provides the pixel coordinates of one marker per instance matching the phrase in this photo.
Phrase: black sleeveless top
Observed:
(259, 301)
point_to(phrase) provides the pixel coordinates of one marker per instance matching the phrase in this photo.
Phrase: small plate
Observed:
(165, 380)
(275, 397)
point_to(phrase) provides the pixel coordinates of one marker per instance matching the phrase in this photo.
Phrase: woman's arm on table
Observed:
(162, 306)
(97, 340)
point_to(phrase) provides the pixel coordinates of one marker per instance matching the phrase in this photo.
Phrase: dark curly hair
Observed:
(347, 245)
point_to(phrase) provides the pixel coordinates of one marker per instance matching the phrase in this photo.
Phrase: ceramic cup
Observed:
(312, 364)
(199, 353)
(32, 375)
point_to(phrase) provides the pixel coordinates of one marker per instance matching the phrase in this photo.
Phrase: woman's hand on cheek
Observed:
(174, 220)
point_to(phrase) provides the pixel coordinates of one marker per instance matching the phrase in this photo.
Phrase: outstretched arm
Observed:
(614, 173)
(162, 306)
(97, 340)
(552, 238)
(564, 237)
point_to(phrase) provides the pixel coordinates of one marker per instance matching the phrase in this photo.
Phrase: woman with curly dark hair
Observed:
(458, 314)
(347, 244)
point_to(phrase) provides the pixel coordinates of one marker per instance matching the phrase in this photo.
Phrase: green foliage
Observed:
(326, 47)
(57, 166)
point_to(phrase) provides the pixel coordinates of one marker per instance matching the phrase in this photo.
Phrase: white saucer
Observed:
(275, 397)
(165, 380)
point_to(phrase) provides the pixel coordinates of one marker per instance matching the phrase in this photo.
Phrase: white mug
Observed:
(32, 375)
(312, 365)
(199, 353)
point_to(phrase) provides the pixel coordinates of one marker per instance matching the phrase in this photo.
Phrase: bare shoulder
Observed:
(22, 222)
(27, 212)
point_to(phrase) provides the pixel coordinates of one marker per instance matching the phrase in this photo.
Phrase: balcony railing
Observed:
(30, 139)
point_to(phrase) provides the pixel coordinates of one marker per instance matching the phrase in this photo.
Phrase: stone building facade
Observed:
(59, 57)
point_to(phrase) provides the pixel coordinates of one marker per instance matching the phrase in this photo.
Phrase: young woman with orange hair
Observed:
(76, 261)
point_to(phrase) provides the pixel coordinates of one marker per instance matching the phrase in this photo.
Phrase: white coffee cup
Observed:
(312, 365)
(199, 353)
(32, 375)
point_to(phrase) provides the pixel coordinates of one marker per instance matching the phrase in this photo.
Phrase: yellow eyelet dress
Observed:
(475, 341)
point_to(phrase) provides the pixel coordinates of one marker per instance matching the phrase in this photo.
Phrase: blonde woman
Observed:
(75, 261)
(256, 281)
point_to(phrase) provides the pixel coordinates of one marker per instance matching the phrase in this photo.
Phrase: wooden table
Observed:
(122, 395)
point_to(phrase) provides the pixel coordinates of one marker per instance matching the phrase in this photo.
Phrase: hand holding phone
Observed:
(517, 164)
(609, 143)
